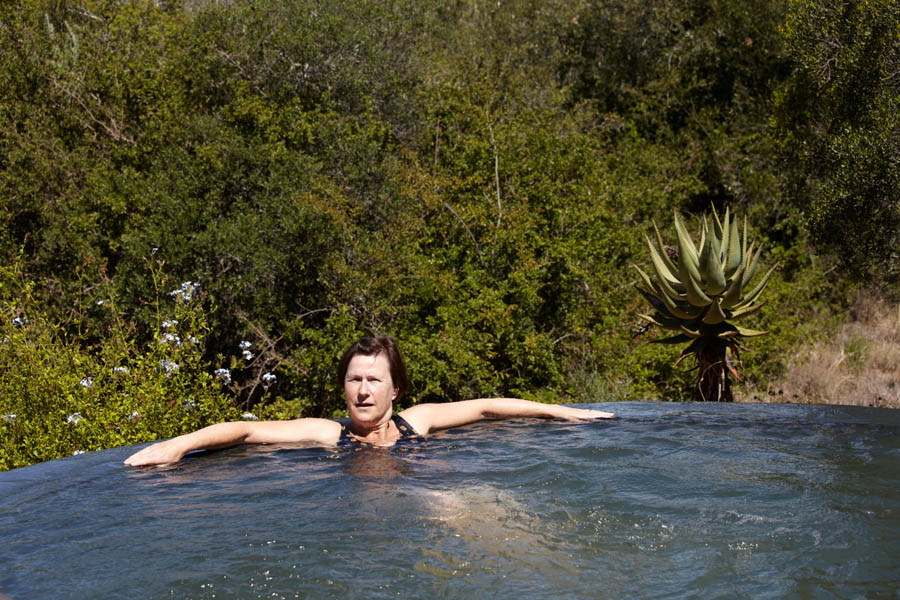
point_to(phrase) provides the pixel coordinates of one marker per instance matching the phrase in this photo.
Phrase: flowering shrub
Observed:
(63, 394)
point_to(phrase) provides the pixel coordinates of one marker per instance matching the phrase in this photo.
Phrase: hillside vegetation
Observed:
(203, 202)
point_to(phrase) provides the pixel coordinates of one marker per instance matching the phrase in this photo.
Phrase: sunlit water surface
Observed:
(665, 501)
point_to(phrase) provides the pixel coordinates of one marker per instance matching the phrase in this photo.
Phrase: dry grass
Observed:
(859, 365)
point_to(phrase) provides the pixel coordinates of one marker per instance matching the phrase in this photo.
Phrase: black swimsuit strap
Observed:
(407, 432)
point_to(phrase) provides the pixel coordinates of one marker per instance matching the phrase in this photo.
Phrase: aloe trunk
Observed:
(713, 382)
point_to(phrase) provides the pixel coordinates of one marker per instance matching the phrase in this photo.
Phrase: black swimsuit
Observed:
(408, 435)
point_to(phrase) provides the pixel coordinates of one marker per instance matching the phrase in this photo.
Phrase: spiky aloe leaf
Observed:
(669, 305)
(752, 260)
(688, 263)
(667, 279)
(714, 315)
(691, 332)
(724, 239)
(746, 311)
(692, 289)
(745, 332)
(754, 294)
(744, 238)
(655, 302)
(687, 254)
(703, 244)
(733, 260)
(679, 311)
(718, 231)
(661, 321)
(656, 299)
(685, 313)
(662, 250)
(711, 267)
(735, 289)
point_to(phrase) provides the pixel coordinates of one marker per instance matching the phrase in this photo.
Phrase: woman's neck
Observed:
(380, 433)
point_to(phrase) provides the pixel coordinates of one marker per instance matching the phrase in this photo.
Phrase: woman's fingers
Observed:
(586, 413)
(157, 454)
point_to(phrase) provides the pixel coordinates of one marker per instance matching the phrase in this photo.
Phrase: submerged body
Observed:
(373, 377)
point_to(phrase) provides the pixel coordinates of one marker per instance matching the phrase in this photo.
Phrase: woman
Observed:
(374, 376)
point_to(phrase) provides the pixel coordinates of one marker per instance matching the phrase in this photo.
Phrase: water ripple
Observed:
(665, 501)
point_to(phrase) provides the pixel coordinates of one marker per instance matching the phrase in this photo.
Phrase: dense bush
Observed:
(85, 384)
(838, 124)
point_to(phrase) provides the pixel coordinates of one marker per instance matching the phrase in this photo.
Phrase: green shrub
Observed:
(89, 385)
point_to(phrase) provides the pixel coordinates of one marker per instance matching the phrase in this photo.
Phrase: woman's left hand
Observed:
(581, 414)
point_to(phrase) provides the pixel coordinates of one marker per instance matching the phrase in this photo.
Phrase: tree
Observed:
(839, 130)
(699, 291)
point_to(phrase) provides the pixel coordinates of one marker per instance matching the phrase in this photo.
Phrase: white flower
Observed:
(77, 452)
(193, 340)
(4, 340)
(87, 382)
(120, 370)
(9, 418)
(224, 374)
(248, 356)
(245, 345)
(189, 404)
(268, 379)
(19, 321)
(169, 324)
(170, 337)
(134, 415)
(100, 302)
(186, 291)
(249, 417)
(168, 366)
(74, 418)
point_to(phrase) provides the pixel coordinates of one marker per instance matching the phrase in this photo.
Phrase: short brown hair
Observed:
(382, 344)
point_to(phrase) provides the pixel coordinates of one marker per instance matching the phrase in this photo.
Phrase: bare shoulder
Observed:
(419, 416)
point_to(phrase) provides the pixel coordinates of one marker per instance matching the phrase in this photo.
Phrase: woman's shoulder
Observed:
(417, 417)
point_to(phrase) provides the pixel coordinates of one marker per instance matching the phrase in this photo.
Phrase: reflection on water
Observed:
(666, 500)
(378, 465)
(496, 530)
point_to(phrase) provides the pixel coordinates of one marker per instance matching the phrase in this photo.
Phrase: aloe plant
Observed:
(699, 291)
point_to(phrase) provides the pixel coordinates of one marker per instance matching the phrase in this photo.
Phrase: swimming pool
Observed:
(666, 500)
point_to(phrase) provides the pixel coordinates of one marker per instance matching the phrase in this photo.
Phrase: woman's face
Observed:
(369, 389)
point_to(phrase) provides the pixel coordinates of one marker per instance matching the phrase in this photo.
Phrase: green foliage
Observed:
(88, 385)
(839, 131)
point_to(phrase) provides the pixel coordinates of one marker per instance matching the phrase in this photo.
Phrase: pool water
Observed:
(665, 501)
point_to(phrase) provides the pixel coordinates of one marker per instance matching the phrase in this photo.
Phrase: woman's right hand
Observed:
(160, 453)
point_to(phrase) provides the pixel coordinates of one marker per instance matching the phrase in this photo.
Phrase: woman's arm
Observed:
(429, 417)
(222, 435)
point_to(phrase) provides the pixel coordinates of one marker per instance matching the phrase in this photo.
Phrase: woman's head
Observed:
(384, 345)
